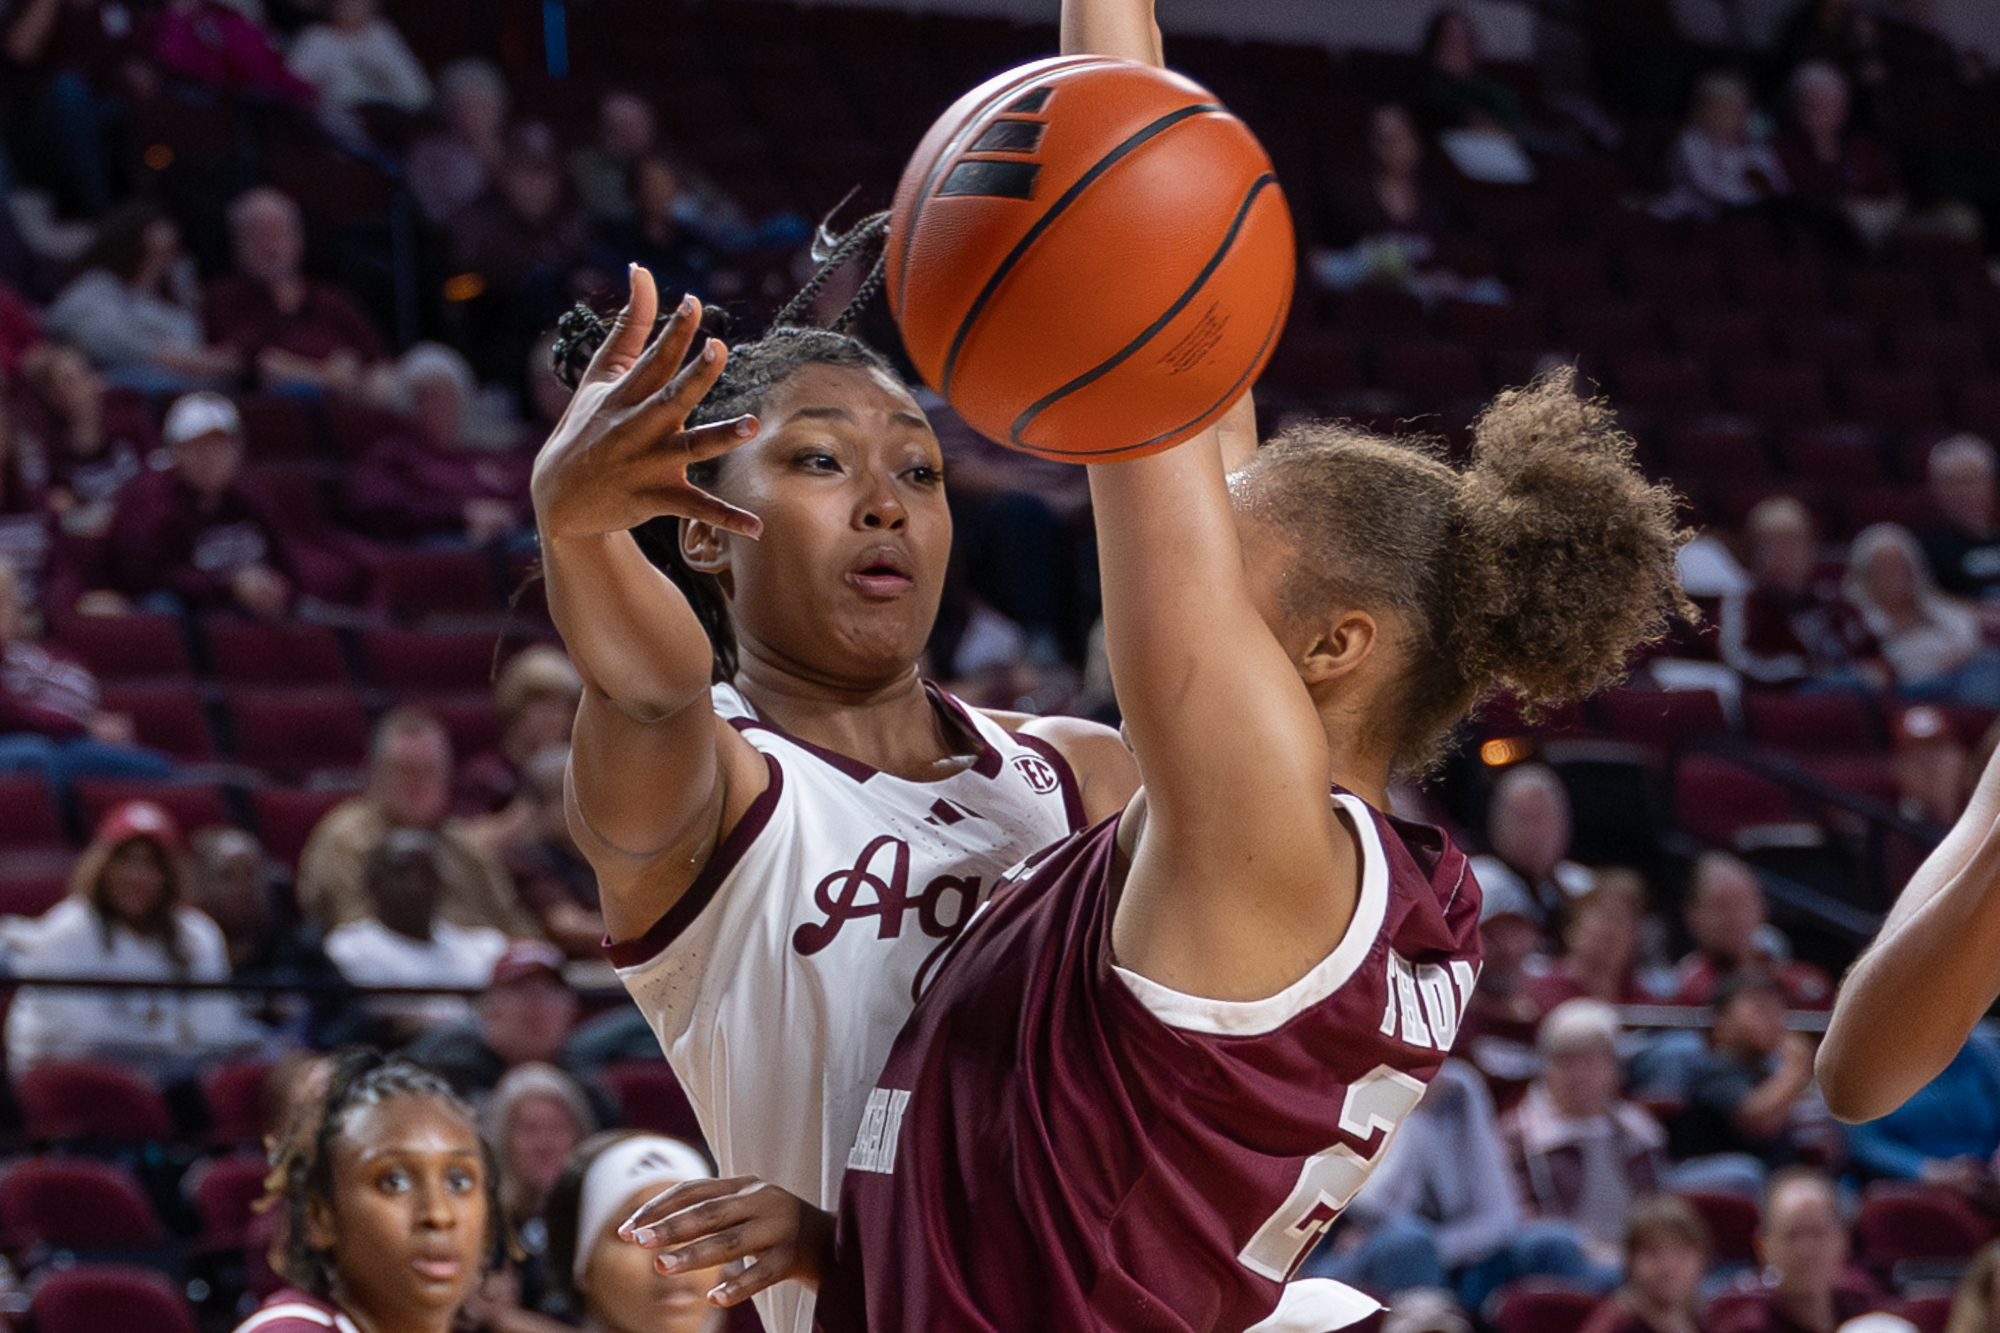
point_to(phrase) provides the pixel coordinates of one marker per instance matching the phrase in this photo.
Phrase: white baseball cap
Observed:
(197, 414)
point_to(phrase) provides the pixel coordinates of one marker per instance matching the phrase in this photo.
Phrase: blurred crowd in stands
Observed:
(280, 708)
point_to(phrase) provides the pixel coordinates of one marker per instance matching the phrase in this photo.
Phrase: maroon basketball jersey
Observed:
(1058, 1144)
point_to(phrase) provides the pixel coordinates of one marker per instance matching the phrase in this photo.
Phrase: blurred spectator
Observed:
(1729, 922)
(403, 941)
(1843, 180)
(654, 231)
(1946, 1133)
(299, 333)
(452, 166)
(608, 1284)
(434, 484)
(95, 439)
(1806, 1285)
(1931, 642)
(20, 323)
(1719, 163)
(1580, 1152)
(1392, 226)
(1964, 543)
(231, 881)
(1744, 1088)
(124, 920)
(221, 47)
(71, 57)
(534, 1120)
(603, 170)
(523, 1017)
(189, 540)
(536, 697)
(1932, 770)
(26, 534)
(1440, 1210)
(1600, 945)
(1528, 828)
(1975, 1306)
(1666, 1252)
(1451, 93)
(409, 786)
(550, 874)
(134, 311)
(1793, 626)
(1497, 1034)
(50, 721)
(354, 61)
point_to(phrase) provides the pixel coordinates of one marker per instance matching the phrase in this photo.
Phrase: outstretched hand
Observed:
(621, 452)
(707, 1223)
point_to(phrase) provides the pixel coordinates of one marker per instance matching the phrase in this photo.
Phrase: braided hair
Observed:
(301, 1158)
(754, 371)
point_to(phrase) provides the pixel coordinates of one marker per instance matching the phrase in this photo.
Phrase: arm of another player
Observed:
(649, 759)
(1912, 998)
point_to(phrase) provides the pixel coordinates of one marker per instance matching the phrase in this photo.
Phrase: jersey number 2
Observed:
(1329, 1181)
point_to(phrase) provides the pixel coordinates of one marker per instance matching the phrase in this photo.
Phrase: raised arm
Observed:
(653, 773)
(1912, 998)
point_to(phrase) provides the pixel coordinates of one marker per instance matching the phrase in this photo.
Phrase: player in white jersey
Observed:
(781, 857)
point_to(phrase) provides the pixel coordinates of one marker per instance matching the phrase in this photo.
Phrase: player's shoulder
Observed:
(1106, 773)
(296, 1312)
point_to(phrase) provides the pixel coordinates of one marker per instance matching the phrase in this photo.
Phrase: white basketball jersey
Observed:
(778, 982)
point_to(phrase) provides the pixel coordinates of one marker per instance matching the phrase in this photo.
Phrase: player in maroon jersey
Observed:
(1164, 1058)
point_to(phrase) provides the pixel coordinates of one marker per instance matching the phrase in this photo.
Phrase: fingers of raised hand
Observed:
(656, 1222)
(629, 331)
(659, 369)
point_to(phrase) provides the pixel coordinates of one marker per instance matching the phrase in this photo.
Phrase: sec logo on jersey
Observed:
(1039, 774)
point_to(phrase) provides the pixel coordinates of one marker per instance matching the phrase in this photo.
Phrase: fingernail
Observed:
(747, 427)
(642, 1235)
(687, 304)
(718, 1295)
(670, 1263)
(708, 351)
(631, 268)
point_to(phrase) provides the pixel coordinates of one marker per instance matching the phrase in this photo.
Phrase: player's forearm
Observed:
(629, 630)
(1122, 28)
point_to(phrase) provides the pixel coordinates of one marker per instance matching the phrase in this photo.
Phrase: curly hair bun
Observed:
(1564, 558)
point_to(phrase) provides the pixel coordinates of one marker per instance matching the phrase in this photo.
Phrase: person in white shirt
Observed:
(406, 944)
(124, 920)
(357, 59)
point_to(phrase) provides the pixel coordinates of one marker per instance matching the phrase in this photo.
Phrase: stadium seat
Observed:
(1840, 452)
(412, 585)
(234, 1092)
(1610, 329)
(1890, 296)
(120, 648)
(1431, 369)
(1714, 799)
(1829, 720)
(1776, 390)
(1900, 1221)
(285, 816)
(1731, 1220)
(279, 426)
(91, 1101)
(244, 652)
(225, 1191)
(1726, 334)
(650, 1097)
(468, 716)
(94, 1298)
(192, 804)
(1542, 1305)
(1715, 443)
(1662, 718)
(167, 715)
(33, 882)
(1667, 384)
(1894, 398)
(1930, 1312)
(29, 817)
(1834, 342)
(1953, 350)
(75, 1203)
(296, 732)
(402, 660)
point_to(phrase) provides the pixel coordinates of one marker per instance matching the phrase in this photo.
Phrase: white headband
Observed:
(619, 1172)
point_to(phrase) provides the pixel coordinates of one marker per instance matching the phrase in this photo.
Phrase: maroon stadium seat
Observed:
(413, 585)
(75, 1203)
(1542, 1305)
(1731, 1220)
(1833, 720)
(243, 652)
(130, 647)
(299, 731)
(29, 818)
(286, 816)
(225, 1191)
(1663, 718)
(94, 1100)
(234, 1094)
(650, 1097)
(1714, 798)
(400, 660)
(93, 1298)
(167, 714)
(1900, 1221)
(192, 804)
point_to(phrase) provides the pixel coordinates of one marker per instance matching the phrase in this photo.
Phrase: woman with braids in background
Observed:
(788, 823)
(386, 1203)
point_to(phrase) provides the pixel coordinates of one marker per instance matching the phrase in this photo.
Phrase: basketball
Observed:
(1089, 258)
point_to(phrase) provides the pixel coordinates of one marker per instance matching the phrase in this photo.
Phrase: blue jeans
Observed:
(61, 761)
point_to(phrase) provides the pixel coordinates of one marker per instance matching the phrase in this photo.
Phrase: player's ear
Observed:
(1347, 641)
(704, 546)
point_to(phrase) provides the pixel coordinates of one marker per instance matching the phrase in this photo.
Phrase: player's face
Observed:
(408, 1223)
(848, 479)
(625, 1293)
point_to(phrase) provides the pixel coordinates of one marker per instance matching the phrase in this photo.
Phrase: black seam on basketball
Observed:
(1047, 219)
(956, 146)
(1125, 353)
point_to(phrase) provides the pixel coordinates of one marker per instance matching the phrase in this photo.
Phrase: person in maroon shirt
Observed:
(1600, 945)
(1793, 626)
(189, 540)
(1666, 1252)
(1730, 924)
(95, 439)
(299, 332)
(1806, 1284)
(1843, 180)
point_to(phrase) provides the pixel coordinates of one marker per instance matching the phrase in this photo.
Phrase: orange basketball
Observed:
(1090, 259)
